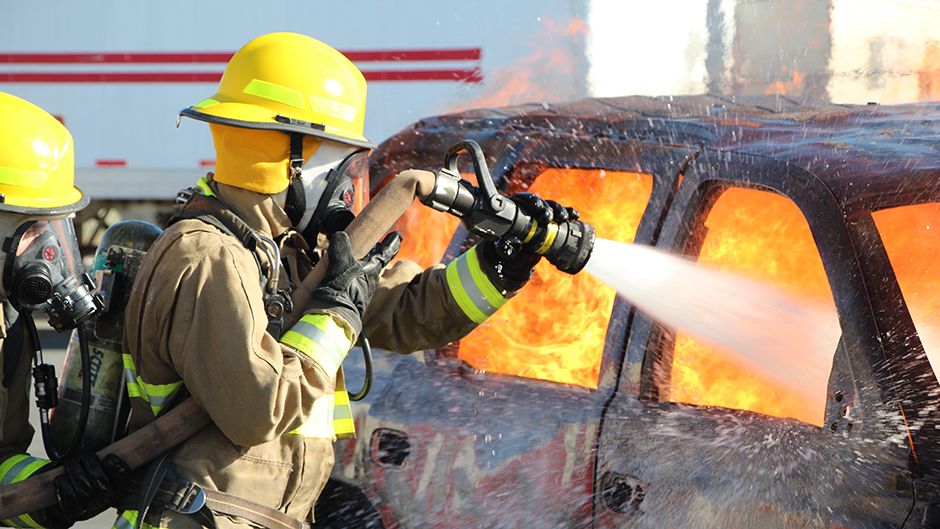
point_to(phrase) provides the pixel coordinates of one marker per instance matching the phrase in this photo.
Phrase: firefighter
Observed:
(287, 123)
(39, 256)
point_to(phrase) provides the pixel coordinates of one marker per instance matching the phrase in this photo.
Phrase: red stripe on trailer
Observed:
(472, 75)
(111, 163)
(206, 163)
(110, 77)
(467, 54)
(461, 54)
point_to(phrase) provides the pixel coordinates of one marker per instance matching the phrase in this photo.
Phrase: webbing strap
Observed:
(212, 212)
(296, 155)
(251, 511)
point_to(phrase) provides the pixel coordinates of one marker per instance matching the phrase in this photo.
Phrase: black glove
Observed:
(508, 262)
(86, 488)
(349, 284)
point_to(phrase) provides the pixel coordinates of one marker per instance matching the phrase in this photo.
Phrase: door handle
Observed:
(622, 494)
(389, 448)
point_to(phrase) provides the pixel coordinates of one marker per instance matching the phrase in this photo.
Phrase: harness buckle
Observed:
(183, 196)
(187, 499)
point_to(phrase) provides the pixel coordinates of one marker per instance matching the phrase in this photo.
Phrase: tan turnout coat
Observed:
(196, 316)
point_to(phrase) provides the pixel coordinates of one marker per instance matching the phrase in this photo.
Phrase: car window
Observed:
(764, 236)
(911, 236)
(554, 328)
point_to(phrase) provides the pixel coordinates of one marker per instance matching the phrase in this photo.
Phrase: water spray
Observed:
(485, 212)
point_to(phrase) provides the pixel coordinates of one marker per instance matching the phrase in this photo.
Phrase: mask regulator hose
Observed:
(485, 212)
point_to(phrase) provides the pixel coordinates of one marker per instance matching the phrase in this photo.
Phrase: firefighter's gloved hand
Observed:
(509, 263)
(87, 487)
(544, 211)
(349, 284)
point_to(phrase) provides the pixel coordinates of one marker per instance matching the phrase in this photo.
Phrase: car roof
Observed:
(859, 152)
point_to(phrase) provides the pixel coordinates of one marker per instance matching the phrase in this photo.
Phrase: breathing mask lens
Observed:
(332, 191)
(358, 172)
(44, 272)
(340, 207)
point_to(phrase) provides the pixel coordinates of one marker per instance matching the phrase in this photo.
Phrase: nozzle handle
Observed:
(484, 180)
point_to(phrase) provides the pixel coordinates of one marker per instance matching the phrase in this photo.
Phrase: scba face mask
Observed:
(44, 272)
(331, 189)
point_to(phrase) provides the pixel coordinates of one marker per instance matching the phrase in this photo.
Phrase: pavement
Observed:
(54, 346)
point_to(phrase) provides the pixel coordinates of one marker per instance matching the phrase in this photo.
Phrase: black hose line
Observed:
(46, 402)
(367, 357)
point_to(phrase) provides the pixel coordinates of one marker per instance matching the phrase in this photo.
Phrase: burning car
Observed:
(568, 408)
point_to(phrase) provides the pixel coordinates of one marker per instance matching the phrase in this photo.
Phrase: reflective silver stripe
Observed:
(18, 468)
(123, 522)
(471, 288)
(318, 335)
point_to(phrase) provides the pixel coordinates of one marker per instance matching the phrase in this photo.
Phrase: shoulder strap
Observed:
(211, 211)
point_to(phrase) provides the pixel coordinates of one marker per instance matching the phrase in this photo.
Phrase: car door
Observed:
(693, 439)
(500, 430)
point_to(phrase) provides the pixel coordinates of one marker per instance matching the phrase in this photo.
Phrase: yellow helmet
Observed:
(291, 83)
(37, 164)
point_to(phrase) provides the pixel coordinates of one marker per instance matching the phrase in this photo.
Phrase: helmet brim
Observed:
(269, 124)
(53, 210)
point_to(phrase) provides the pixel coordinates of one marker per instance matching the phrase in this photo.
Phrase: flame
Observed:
(426, 232)
(792, 83)
(554, 329)
(911, 236)
(550, 73)
(764, 236)
(928, 77)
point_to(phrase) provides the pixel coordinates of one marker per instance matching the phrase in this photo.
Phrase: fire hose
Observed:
(483, 211)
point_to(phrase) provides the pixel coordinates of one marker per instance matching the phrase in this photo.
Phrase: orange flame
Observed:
(764, 236)
(554, 329)
(911, 236)
(792, 83)
(550, 73)
(928, 77)
(427, 232)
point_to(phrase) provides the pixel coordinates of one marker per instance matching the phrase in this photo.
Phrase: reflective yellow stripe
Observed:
(482, 282)
(14, 469)
(322, 339)
(474, 293)
(128, 519)
(275, 92)
(19, 467)
(207, 102)
(12, 176)
(549, 239)
(333, 108)
(23, 520)
(320, 422)
(155, 395)
(460, 296)
(343, 425)
(203, 185)
(331, 417)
